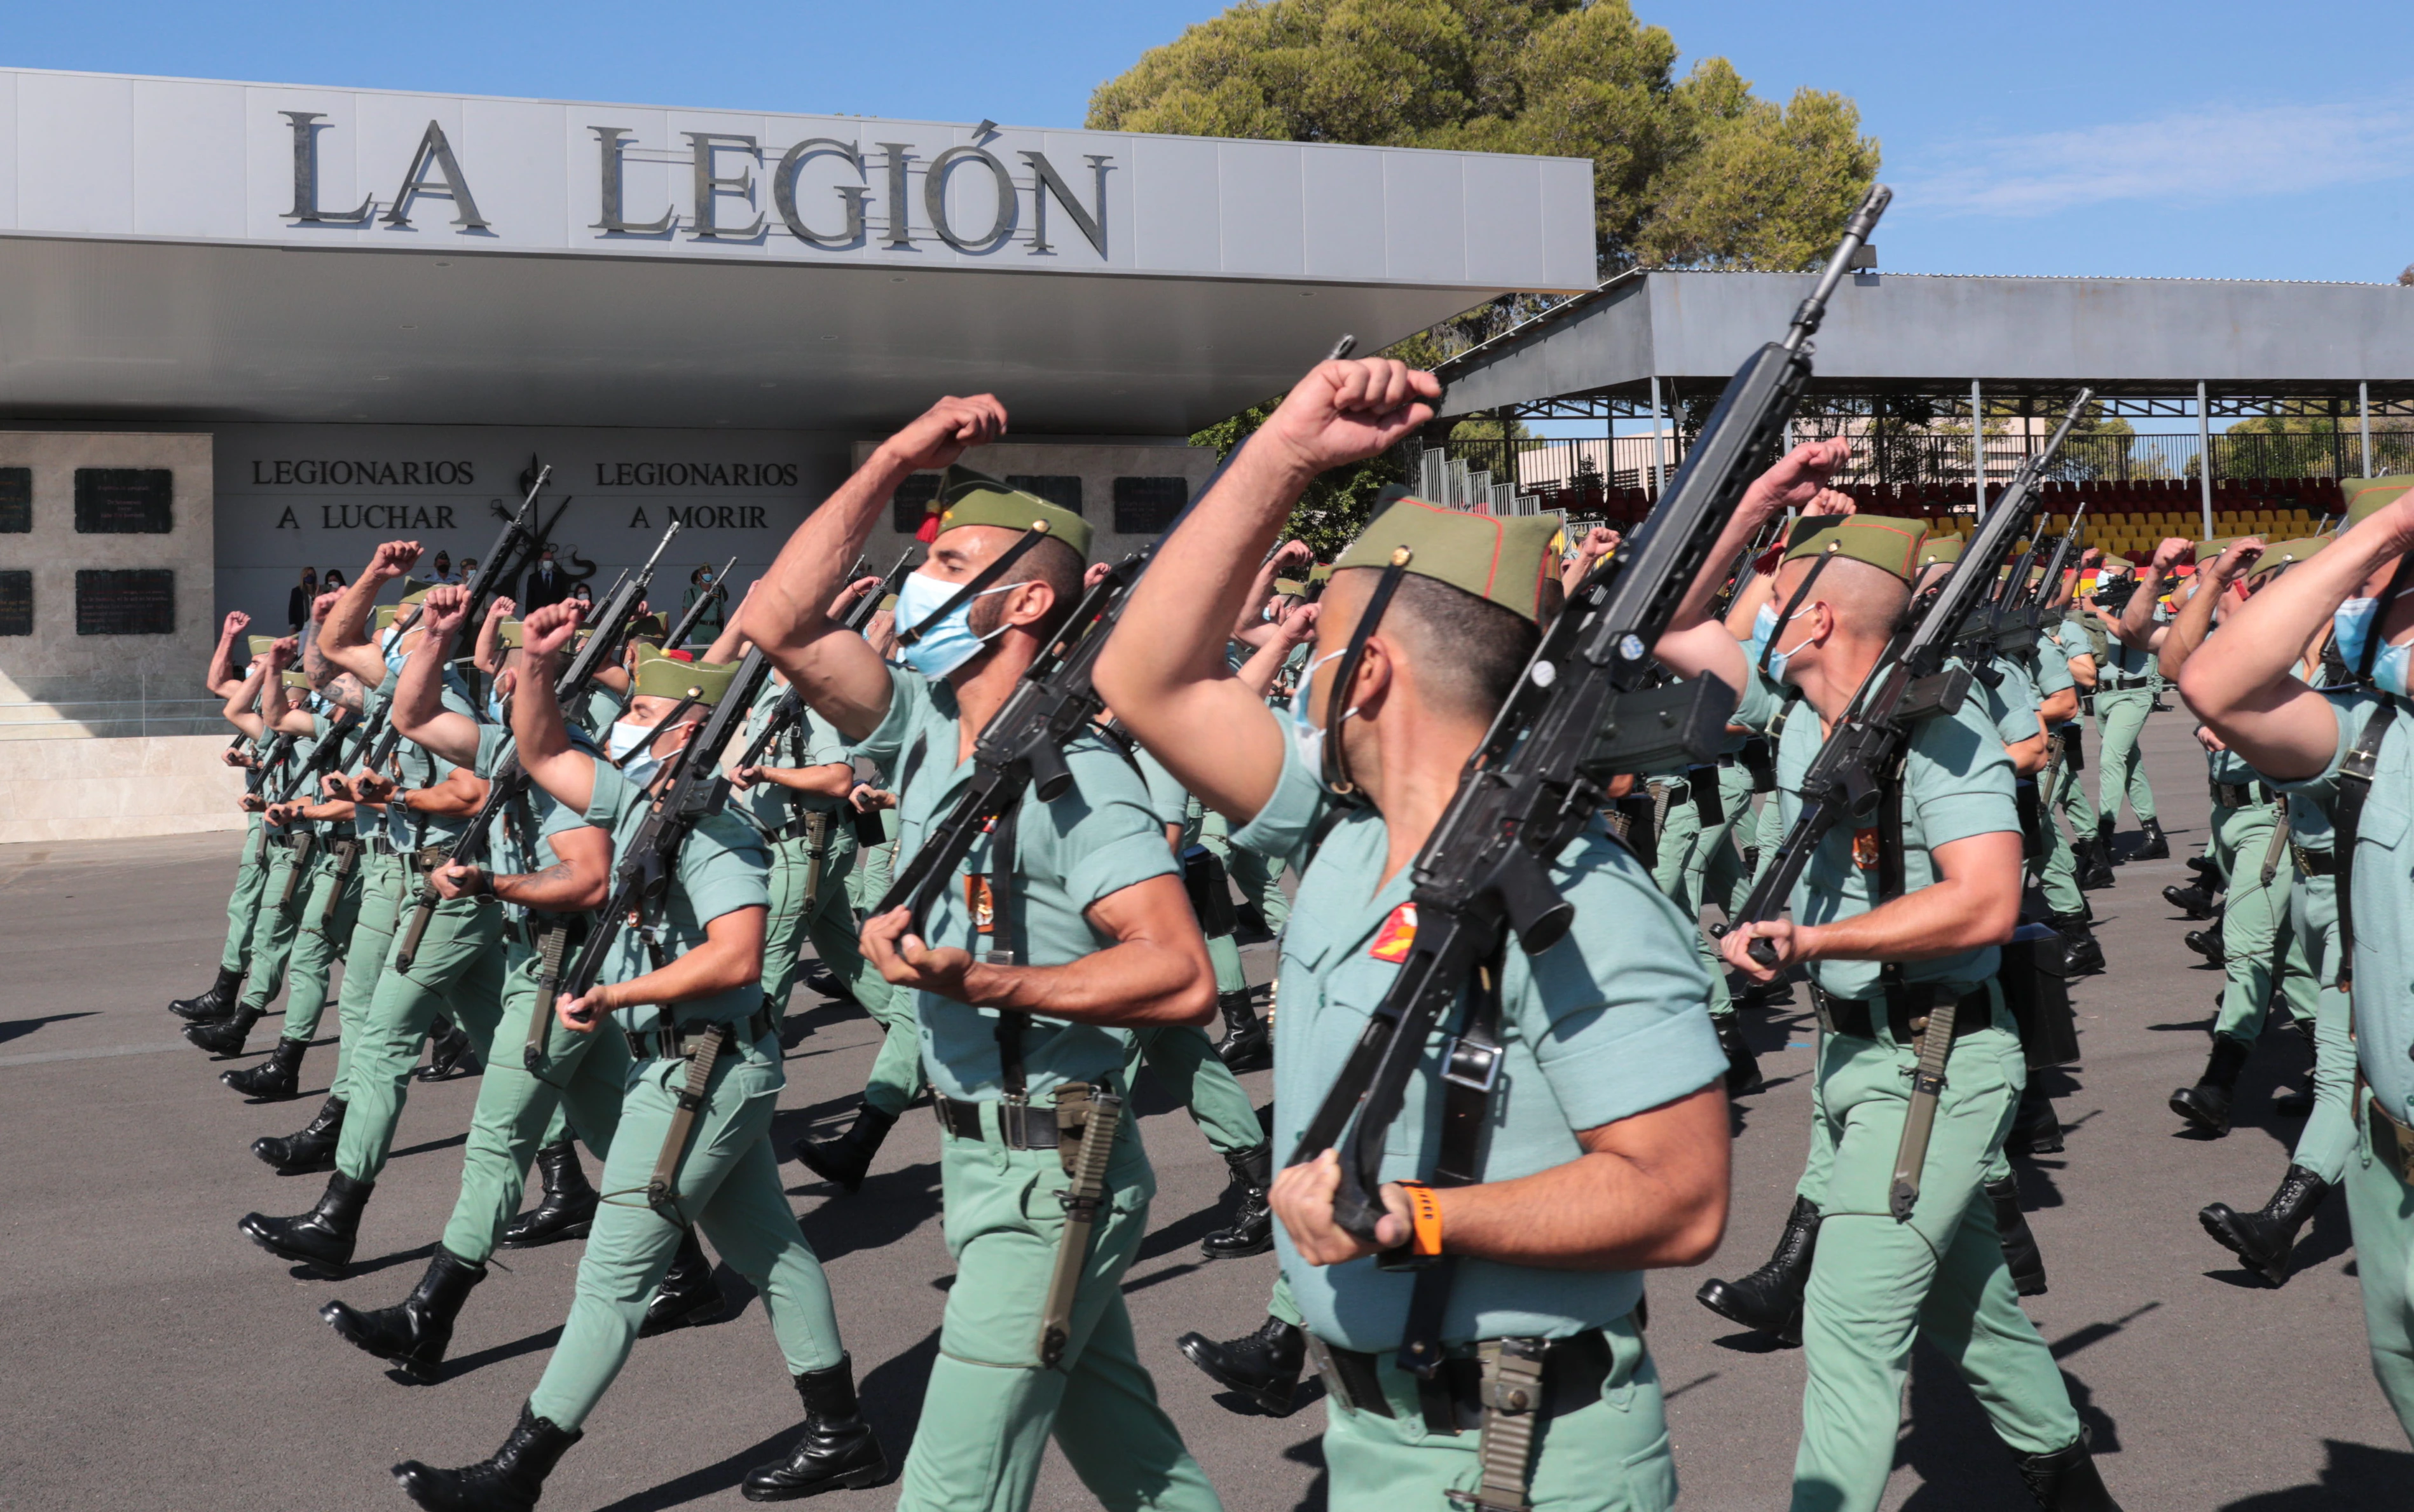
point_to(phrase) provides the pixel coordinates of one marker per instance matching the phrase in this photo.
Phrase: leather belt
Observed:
(2314, 863)
(2239, 794)
(531, 925)
(671, 1044)
(1974, 1010)
(427, 858)
(378, 845)
(797, 828)
(2393, 1143)
(1019, 1125)
(1574, 1370)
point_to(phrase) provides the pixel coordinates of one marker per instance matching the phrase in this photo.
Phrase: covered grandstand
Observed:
(2326, 371)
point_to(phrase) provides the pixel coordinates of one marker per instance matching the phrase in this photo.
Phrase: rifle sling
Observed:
(1337, 698)
(1005, 926)
(2356, 772)
(974, 587)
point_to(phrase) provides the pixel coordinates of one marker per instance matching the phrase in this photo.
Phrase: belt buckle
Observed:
(1475, 1067)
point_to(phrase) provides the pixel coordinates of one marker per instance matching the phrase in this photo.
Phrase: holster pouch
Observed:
(2038, 996)
(1211, 898)
(1709, 803)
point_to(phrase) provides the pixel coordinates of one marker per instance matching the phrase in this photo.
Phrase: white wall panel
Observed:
(1342, 204)
(74, 146)
(1260, 203)
(186, 182)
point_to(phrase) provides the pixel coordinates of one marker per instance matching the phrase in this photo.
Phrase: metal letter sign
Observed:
(614, 222)
(437, 153)
(305, 176)
(709, 188)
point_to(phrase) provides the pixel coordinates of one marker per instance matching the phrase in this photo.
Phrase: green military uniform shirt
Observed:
(810, 741)
(723, 868)
(1101, 837)
(2052, 667)
(410, 829)
(1611, 1021)
(517, 843)
(1957, 783)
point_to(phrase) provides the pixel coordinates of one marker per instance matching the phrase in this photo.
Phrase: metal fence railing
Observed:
(1589, 476)
(57, 708)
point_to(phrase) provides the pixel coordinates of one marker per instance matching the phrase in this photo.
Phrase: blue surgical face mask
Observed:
(495, 711)
(2391, 668)
(948, 644)
(1304, 733)
(1778, 657)
(395, 656)
(2351, 629)
(1764, 624)
(640, 767)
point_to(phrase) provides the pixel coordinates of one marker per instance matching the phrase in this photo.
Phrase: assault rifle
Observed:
(509, 781)
(1583, 711)
(271, 757)
(1911, 680)
(695, 611)
(1022, 746)
(791, 708)
(642, 872)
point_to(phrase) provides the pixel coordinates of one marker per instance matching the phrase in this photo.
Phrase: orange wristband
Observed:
(1425, 1217)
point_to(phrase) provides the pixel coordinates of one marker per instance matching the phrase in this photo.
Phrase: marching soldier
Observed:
(703, 1079)
(1606, 1118)
(251, 870)
(2243, 683)
(2085, 646)
(1891, 961)
(1067, 926)
(2125, 695)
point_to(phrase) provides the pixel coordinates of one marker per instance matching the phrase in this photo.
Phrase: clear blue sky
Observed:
(2210, 139)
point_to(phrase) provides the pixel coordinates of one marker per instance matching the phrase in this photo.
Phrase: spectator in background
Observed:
(444, 569)
(297, 601)
(583, 596)
(706, 628)
(334, 579)
(468, 568)
(547, 584)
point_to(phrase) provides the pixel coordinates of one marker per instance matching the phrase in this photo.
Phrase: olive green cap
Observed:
(1937, 549)
(414, 590)
(651, 628)
(888, 603)
(297, 679)
(2280, 554)
(2121, 562)
(512, 634)
(1500, 559)
(662, 676)
(1320, 572)
(263, 645)
(1888, 544)
(969, 498)
(384, 617)
(2365, 496)
(1290, 587)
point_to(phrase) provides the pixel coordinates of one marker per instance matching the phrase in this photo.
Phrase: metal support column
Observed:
(1978, 446)
(2204, 454)
(2364, 412)
(1659, 445)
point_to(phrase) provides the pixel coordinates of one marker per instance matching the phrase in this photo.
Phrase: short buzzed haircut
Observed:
(1469, 652)
(1048, 561)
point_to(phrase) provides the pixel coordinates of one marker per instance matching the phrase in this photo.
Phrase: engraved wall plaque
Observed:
(139, 601)
(16, 501)
(16, 602)
(1062, 489)
(124, 501)
(1145, 506)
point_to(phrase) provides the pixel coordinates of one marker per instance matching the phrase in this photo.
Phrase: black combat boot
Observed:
(2037, 1128)
(836, 1448)
(1743, 1067)
(2157, 846)
(2195, 899)
(217, 1003)
(2267, 1239)
(2208, 872)
(311, 1147)
(509, 1481)
(847, 1159)
(1263, 1365)
(2104, 828)
(2206, 1104)
(2066, 1481)
(821, 979)
(2081, 954)
(1253, 1226)
(273, 1079)
(320, 1238)
(2207, 944)
(567, 1208)
(2020, 1253)
(223, 1037)
(449, 1052)
(1245, 1045)
(413, 1332)
(688, 1297)
(1770, 1298)
(2095, 864)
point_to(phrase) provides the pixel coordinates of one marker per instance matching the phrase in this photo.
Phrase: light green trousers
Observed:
(896, 1076)
(582, 1079)
(1686, 862)
(364, 955)
(457, 972)
(2330, 1134)
(2119, 766)
(1183, 1061)
(243, 904)
(1259, 877)
(329, 917)
(2075, 804)
(2058, 868)
(1609, 1455)
(728, 1185)
(829, 923)
(272, 929)
(2257, 942)
(991, 1406)
(2380, 1214)
(1875, 1284)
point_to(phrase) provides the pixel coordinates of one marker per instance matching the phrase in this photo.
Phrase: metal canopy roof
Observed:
(2138, 339)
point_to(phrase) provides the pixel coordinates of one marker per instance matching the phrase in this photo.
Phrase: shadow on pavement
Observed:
(2358, 1476)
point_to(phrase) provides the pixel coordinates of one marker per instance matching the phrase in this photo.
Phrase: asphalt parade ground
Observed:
(155, 1359)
